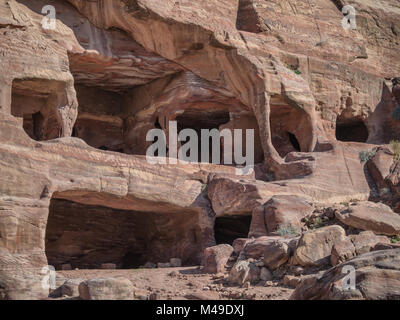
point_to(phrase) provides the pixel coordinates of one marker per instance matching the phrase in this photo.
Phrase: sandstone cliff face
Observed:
(77, 102)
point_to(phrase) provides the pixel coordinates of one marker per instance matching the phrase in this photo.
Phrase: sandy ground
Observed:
(184, 283)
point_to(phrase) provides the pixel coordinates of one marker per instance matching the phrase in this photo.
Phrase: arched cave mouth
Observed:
(34, 103)
(353, 129)
(229, 228)
(87, 236)
(291, 129)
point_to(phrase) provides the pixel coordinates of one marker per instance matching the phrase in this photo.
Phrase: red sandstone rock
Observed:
(314, 248)
(215, 258)
(286, 212)
(375, 217)
(106, 289)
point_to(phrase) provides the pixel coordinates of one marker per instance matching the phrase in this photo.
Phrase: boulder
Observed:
(216, 257)
(291, 281)
(244, 271)
(257, 225)
(276, 254)
(163, 265)
(265, 274)
(239, 244)
(108, 266)
(175, 262)
(315, 247)
(379, 166)
(286, 211)
(371, 216)
(71, 287)
(342, 251)
(255, 249)
(377, 277)
(149, 265)
(355, 245)
(106, 289)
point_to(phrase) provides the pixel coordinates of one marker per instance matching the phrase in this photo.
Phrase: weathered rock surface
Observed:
(377, 277)
(71, 287)
(216, 257)
(106, 289)
(379, 166)
(286, 212)
(315, 247)
(276, 254)
(370, 216)
(244, 271)
(355, 245)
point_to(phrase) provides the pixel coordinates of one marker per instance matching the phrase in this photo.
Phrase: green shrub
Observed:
(287, 230)
(395, 145)
(293, 68)
(395, 239)
(365, 156)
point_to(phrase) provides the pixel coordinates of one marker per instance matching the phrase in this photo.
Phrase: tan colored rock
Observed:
(106, 289)
(315, 247)
(379, 166)
(244, 271)
(377, 279)
(286, 212)
(370, 216)
(71, 287)
(276, 254)
(342, 251)
(239, 244)
(216, 257)
(291, 281)
(355, 245)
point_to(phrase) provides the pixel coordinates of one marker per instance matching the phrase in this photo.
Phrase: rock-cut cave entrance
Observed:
(34, 102)
(202, 119)
(353, 129)
(229, 228)
(87, 236)
(291, 129)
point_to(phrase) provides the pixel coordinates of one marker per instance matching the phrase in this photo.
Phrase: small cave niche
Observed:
(202, 119)
(290, 129)
(351, 129)
(86, 236)
(34, 103)
(100, 123)
(248, 19)
(229, 228)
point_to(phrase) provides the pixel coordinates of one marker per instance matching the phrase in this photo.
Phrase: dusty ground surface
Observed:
(184, 283)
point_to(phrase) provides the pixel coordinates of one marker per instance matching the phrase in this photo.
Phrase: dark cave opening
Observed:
(34, 103)
(202, 119)
(229, 228)
(87, 236)
(351, 130)
(290, 128)
(99, 121)
(293, 140)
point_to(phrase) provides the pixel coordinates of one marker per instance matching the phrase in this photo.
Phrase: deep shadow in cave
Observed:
(229, 228)
(351, 130)
(87, 236)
